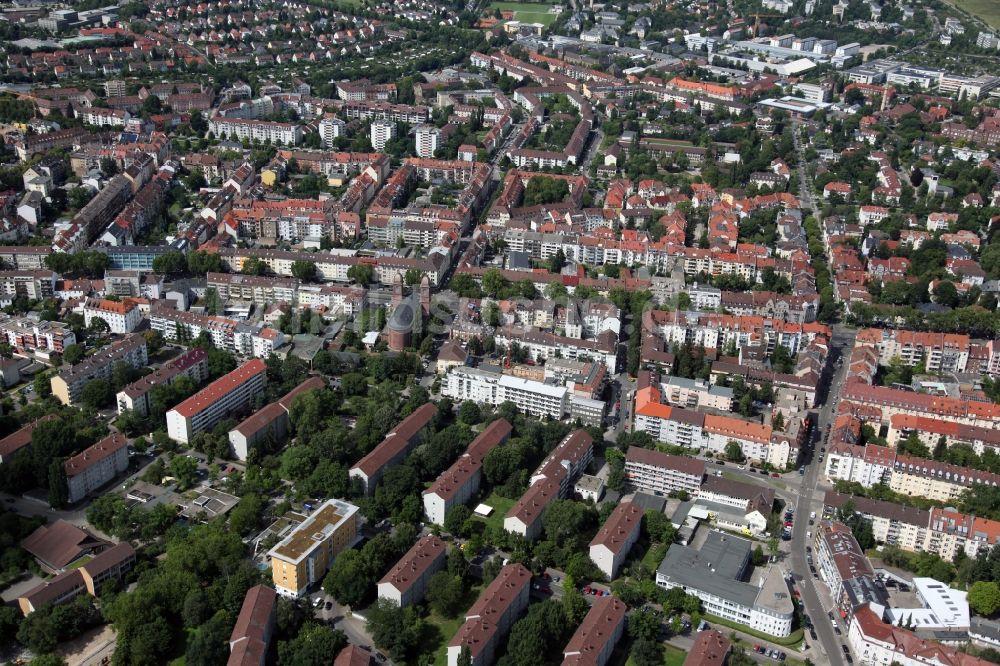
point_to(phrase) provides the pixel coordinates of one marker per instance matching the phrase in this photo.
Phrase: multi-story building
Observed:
(661, 473)
(228, 395)
(938, 352)
(304, 556)
(269, 425)
(120, 316)
(611, 545)
(89, 578)
(494, 388)
(248, 340)
(694, 393)
(28, 335)
(889, 402)
(717, 574)
(382, 132)
(391, 451)
(491, 617)
(595, 639)
(192, 364)
(428, 139)
(68, 383)
(875, 642)
(552, 480)
(407, 581)
(254, 627)
(95, 466)
(288, 134)
(34, 285)
(330, 129)
(17, 440)
(839, 558)
(460, 482)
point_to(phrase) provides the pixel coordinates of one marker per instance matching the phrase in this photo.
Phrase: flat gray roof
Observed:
(718, 568)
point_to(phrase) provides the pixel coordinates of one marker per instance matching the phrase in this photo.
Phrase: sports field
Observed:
(987, 10)
(527, 12)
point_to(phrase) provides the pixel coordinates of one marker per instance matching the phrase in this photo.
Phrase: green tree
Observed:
(493, 281)
(361, 273)
(73, 354)
(396, 630)
(210, 644)
(58, 487)
(184, 469)
(984, 597)
(445, 593)
(469, 413)
(97, 394)
(348, 580)
(304, 270)
(733, 451)
(315, 645)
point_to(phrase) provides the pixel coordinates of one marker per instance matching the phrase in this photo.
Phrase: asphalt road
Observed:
(808, 501)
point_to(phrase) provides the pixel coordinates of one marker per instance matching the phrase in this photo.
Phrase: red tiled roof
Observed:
(251, 628)
(397, 440)
(619, 527)
(21, 438)
(710, 649)
(598, 627)
(221, 387)
(412, 566)
(82, 461)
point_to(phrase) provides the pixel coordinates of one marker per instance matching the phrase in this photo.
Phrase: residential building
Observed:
(304, 556)
(89, 578)
(382, 132)
(407, 581)
(30, 336)
(595, 639)
(428, 140)
(937, 352)
(391, 451)
(611, 545)
(491, 617)
(192, 364)
(17, 440)
(95, 466)
(491, 387)
(248, 643)
(460, 482)
(876, 643)
(288, 134)
(710, 648)
(120, 316)
(68, 383)
(330, 129)
(717, 574)
(691, 393)
(552, 480)
(839, 560)
(269, 426)
(228, 395)
(662, 473)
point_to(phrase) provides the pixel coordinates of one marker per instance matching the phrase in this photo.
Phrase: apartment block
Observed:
(244, 339)
(595, 639)
(691, 393)
(552, 480)
(34, 285)
(938, 352)
(17, 440)
(192, 364)
(95, 466)
(270, 424)
(611, 545)
(491, 617)
(304, 556)
(407, 581)
(28, 335)
(661, 473)
(494, 388)
(254, 627)
(288, 134)
(391, 451)
(889, 402)
(89, 578)
(839, 559)
(68, 383)
(230, 394)
(460, 482)
(120, 316)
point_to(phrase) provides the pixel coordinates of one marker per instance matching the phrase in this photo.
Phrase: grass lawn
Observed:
(439, 630)
(672, 656)
(791, 641)
(501, 505)
(527, 12)
(987, 10)
(654, 556)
